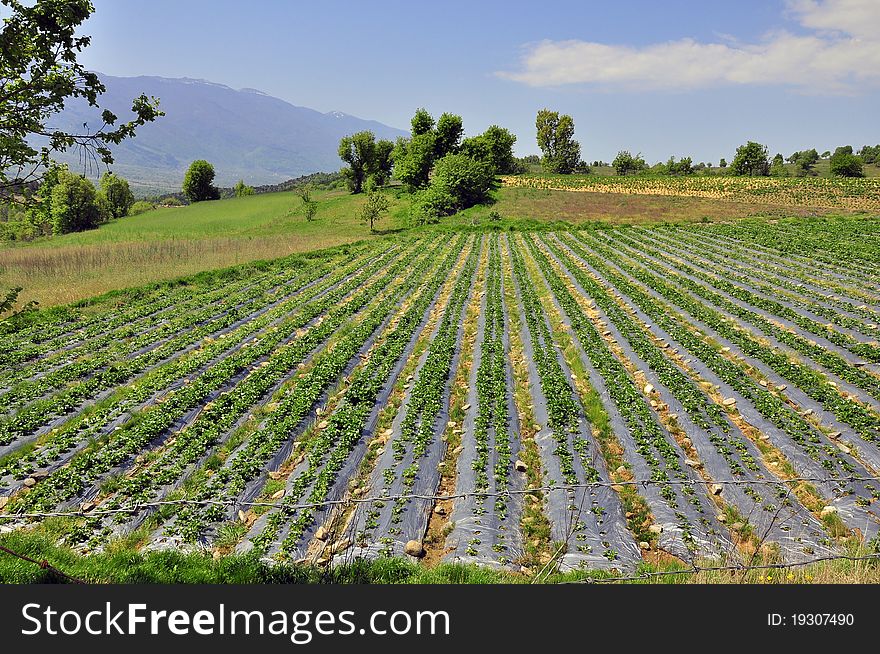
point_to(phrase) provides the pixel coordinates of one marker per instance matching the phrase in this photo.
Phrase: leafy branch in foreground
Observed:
(39, 73)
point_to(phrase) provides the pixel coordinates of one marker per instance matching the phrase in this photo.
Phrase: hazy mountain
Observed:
(245, 133)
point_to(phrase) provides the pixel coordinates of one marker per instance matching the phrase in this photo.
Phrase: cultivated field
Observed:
(857, 194)
(577, 400)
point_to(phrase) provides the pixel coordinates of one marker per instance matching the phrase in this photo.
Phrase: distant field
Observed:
(518, 204)
(840, 193)
(173, 242)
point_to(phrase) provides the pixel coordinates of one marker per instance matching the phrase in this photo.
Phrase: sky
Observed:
(675, 77)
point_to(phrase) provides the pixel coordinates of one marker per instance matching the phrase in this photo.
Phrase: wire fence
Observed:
(91, 510)
(134, 507)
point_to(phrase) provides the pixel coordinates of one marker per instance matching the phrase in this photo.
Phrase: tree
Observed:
(358, 151)
(75, 205)
(241, 189)
(494, 147)
(118, 194)
(413, 159)
(722, 163)
(870, 154)
(198, 183)
(751, 159)
(777, 168)
(39, 73)
(846, 164)
(448, 135)
(421, 122)
(682, 167)
(556, 140)
(377, 203)
(805, 162)
(310, 206)
(477, 148)
(380, 167)
(626, 163)
(500, 143)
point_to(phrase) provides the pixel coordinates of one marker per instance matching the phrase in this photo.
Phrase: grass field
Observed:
(168, 243)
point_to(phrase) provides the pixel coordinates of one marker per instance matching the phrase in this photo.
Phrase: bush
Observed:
(431, 204)
(75, 205)
(241, 189)
(139, 207)
(845, 164)
(118, 194)
(466, 180)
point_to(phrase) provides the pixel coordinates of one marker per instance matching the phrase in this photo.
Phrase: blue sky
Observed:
(663, 78)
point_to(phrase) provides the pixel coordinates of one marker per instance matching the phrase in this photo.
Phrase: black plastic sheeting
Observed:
(392, 534)
(844, 500)
(479, 535)
(350, 468)
(799, 534)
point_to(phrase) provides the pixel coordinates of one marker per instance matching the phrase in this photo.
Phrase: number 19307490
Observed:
(810, 620)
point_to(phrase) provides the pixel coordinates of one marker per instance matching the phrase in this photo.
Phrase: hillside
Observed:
(245, 133)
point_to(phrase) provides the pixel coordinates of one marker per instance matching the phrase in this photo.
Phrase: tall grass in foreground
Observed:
(121, 563)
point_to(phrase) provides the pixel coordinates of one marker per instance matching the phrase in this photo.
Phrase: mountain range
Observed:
(245, 133)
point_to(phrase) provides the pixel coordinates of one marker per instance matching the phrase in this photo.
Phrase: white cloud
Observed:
(840, 55)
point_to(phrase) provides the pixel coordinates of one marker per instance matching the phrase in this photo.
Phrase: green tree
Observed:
(805, 162)
(310, 205)
(722, 163)
(495, 147)
(869, 154)
(846, 164)
(477, 148)
(556, 140)
(683, 166)
(625, 163)
(777, 168)
(198, 183)
(241, 189)
(377, 203)
(751, 159)
(379, 170)
(358, 151)
(75, 204)
(118, 194)
(421, 123)
(447, 135)
(39, 73)
(500, 142)
(413, 159)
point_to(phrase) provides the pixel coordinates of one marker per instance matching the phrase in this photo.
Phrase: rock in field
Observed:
(414, 548)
